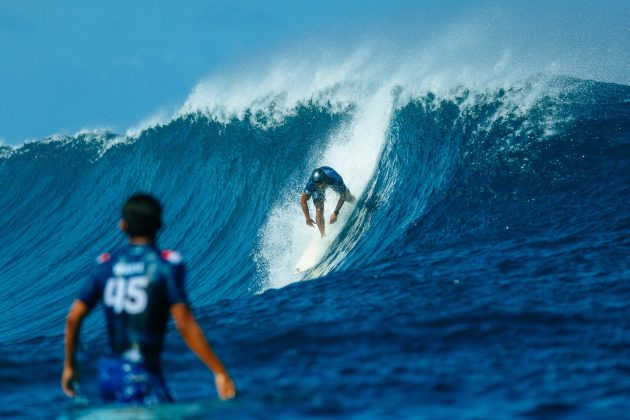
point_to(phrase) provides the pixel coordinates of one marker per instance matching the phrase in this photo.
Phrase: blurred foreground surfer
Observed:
(319, 181)
(139, 285)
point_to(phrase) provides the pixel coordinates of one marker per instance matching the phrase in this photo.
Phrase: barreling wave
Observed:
(432, 171)
(482, 167)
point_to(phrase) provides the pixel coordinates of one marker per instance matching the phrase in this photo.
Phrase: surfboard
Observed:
(313, 254)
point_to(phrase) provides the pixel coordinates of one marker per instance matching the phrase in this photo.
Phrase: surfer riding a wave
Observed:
(319, 181)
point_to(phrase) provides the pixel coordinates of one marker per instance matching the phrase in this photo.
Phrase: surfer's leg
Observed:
(319, 216)
(109, 379)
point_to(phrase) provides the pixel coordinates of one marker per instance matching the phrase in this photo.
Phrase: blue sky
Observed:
(66, 65)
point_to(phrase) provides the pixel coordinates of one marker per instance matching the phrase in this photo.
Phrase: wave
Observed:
(433, 171)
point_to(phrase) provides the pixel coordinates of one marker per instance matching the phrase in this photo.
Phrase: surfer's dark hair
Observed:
(143, 214)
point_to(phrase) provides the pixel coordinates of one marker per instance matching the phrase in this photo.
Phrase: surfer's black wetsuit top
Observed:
(334, 181)
(138, 284)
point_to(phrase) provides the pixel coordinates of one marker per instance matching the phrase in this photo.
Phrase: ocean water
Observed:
(484, 271)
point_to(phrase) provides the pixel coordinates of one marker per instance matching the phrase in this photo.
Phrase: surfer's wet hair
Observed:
(143, 214)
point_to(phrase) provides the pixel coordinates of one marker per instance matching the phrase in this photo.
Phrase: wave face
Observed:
(483, 268)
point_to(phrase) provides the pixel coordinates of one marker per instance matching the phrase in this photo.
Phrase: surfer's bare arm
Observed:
(77, 312)
(195, 339)
(303, 202)
(333, 216)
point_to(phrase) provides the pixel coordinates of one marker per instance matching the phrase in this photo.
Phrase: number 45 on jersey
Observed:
(128, 295)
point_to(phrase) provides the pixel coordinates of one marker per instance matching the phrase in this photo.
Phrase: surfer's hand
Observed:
(225, 386)
(333, 218)
(67, 381)
(310, 222)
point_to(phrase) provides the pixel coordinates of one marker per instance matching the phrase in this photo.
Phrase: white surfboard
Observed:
(314, 252)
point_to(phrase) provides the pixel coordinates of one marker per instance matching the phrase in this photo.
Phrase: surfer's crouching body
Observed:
(318, 182)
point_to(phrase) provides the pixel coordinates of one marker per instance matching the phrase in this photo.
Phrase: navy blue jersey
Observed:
(137, 286)
(333, 180)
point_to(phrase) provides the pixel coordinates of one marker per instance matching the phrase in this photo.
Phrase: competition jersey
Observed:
(137, 286)
(333, 179)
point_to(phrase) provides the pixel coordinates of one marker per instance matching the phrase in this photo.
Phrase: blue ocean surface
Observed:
(483, 273)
